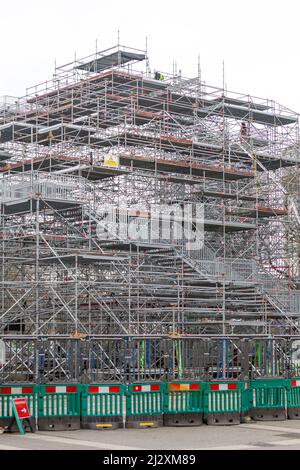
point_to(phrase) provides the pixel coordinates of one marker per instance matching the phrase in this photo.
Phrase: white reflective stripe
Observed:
(223, 386)
(297, 383)
(146, 388)
(60, 389)
(16, 390)
(103, 389)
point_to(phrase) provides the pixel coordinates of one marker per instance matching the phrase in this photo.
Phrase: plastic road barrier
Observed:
(144, 405)
(59, 407)
(102, 406)
(7, 392)
(183, 404)
(268, 399)
(225, 403)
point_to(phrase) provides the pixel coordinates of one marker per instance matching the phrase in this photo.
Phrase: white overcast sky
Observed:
(257, 39)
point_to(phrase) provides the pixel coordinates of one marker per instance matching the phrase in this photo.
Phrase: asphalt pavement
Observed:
(269, 435)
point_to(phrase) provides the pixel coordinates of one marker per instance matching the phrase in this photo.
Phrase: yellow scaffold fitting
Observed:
(78, 335)
(50, 136)
(174, 334)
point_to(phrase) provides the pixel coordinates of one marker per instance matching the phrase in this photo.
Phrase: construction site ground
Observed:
(282, 435)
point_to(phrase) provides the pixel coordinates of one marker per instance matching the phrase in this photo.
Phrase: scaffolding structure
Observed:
(80, 297)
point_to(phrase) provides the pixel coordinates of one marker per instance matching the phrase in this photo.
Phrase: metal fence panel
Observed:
(20, 364)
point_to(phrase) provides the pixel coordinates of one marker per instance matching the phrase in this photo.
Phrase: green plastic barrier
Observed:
(7, 392)
(267, 399)
(102, 406)
(293, 398)
(144, 405)
(183, 403)
(59, 407)
(225, 402)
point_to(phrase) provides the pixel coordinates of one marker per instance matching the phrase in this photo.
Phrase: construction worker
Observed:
(50, 137)
(159, 76)
(243, 132)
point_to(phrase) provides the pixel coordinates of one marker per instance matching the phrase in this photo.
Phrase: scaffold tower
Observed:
(88, 290)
